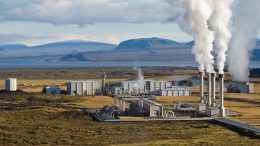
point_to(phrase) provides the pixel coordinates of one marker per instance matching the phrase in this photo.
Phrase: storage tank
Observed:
(11, 84)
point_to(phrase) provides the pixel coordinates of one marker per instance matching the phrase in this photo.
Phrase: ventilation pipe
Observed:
(213, 88)
(202, 87)
(209, 90)
(221, 94)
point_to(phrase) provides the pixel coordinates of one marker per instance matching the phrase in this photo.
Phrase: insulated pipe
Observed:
(201, 87)
(209, 90)
(213, 88)
(123, 105)
(221, 94)
(115, 101)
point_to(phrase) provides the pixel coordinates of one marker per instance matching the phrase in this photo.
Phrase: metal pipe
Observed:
(221, 94)
(213, 88)
(201, 87)
(209, 90)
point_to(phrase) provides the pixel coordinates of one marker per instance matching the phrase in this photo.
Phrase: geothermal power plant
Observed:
(209, 102)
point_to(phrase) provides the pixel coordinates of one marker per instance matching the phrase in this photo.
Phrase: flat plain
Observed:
(32, 118)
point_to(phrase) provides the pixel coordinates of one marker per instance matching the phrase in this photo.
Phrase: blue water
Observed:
(61, 64)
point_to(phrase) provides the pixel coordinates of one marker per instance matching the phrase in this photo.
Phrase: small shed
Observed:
(52, 90)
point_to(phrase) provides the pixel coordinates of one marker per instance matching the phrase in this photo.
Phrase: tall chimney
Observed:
(221, 95)
(209, 90)
(104, 83)
(213, 88)
(202, 87)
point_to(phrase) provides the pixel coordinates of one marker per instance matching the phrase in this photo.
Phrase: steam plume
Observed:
(195, 14)
(245, 25)
(219, 22)
(140, 78)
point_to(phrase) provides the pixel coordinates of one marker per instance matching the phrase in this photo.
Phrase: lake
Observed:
(64, 64)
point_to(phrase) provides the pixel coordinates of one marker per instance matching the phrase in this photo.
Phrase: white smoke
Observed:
(246, 22)
(193, 18)
(140, 79)
(219, 23)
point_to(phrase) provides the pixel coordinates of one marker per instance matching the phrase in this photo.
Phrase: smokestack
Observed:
(202, 87)
(209, 90)
(221, 95)
(213, 88)
(104, 83)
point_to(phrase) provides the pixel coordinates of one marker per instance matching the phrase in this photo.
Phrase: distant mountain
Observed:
(134, 49)
(150, 43)
(76, 46)
(12, 47)
(141, 49)
(57, 48)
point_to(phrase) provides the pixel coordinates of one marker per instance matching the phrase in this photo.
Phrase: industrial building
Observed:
(147, 86)
(145, 107)
(52, 90)
(88, 87)
(175, 91)
(10, 84)
(241, 87)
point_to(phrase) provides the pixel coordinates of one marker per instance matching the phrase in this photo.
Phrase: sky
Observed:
(35, 22)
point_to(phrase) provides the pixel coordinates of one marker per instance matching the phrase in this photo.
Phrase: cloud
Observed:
(83, 12)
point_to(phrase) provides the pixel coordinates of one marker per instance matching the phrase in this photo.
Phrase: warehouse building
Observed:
(147, 86)
(55, 90)
(175, 91)
(88, 87)
(241, 87)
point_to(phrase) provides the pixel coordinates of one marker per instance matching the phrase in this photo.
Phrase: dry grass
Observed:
(93, 101)
(170, 99)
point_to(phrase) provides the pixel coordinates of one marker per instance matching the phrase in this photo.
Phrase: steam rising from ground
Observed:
(140, 79)
(245, 25)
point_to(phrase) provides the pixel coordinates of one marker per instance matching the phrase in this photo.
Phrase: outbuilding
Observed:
(10, 84)
(55, 90)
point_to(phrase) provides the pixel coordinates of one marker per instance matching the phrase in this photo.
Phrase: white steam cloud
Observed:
(219, 22)
(140, 79)
(245, 25)
(193, 18)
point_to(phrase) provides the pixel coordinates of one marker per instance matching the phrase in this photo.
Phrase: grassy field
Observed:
(36, 119)
(32, 118)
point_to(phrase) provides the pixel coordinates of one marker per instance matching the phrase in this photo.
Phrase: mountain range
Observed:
(129, 50)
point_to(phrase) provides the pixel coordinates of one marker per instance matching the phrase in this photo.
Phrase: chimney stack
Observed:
(209, 90)
(213, 88)
(202, 87)
(221, 95)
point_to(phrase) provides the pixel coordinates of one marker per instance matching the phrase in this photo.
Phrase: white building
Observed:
(52, 90)
(10, 84)
(241, 87)
(175, 91)
(148, 86)
(88, 87)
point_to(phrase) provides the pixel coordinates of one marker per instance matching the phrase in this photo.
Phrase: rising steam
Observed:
(140, 77)
(245, 25)
(195, 21)
(219, 22)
